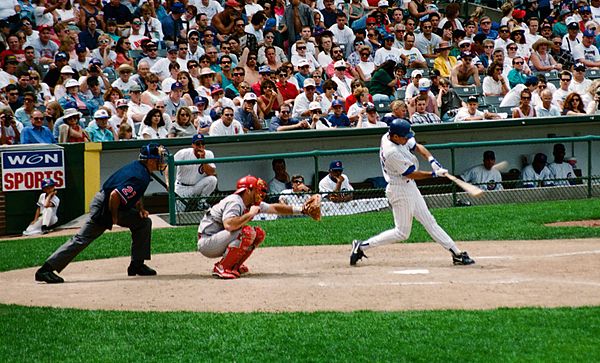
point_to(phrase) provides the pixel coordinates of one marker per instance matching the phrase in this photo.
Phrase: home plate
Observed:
(410, 272)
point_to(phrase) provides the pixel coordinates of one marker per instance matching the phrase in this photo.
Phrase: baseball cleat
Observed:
(48, 277)
(357, 252)
(243, 269)
(222, 273)
(462, 259)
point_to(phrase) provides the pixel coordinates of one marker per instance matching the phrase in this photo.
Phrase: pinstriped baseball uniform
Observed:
(191, 180)
(213, 238)
(484, 178)
(404, 197)
(561, 171)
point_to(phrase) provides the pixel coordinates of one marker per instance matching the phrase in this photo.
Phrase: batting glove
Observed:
(440, 172)
(435, 165)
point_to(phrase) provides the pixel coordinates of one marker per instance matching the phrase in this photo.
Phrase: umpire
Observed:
(118, 202)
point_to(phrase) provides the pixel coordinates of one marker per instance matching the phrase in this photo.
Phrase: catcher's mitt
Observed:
(312, 207)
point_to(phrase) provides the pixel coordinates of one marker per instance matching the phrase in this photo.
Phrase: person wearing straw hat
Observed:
(541, 60)
(444, 62)
(124, 82)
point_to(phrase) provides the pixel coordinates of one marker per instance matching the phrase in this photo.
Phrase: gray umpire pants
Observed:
(141, 233)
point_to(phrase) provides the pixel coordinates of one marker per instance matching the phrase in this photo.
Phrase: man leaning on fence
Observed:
(484, 175)
(336, 185)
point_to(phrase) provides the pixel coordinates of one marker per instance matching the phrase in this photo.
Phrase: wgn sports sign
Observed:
(24, 170)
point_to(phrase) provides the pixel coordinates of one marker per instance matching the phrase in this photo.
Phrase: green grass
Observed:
(43, 334)
(559, 335)
(501, 222)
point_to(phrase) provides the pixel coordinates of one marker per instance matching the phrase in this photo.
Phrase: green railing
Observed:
(443, 190)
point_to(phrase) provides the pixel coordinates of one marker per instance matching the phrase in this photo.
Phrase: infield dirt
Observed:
(421, 276)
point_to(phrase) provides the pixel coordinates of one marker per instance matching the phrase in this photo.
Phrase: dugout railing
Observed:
(369, 195)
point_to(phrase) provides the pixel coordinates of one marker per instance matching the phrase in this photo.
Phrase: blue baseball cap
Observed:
(337, 102)
(531, 81)
(176, 85)
(200, 100)
(388, 36)
(264, 69)
(96, 61)
(61, 56)
(589, 33)
(178, 8)
(197, 137)
(48, 182)
(336, 165)
(80, 48)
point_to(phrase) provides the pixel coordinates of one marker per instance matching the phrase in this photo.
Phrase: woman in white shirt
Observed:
(324, 56)
(366, 66)
(154, 126)
(494, 83)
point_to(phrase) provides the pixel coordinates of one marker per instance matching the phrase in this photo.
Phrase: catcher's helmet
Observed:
(251, 182)
(48, 182)
(401, 128)
(155, 151)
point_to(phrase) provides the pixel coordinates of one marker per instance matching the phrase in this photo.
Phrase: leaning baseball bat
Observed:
(469, 188)
(501, 166)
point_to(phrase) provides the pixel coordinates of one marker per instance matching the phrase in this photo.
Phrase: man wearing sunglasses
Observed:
(427, 41)
(285, 121)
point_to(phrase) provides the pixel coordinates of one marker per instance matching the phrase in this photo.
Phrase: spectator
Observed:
(579, 83)
(70, 127)
(286, 88)
(152, 94)
(573, 105)
(124, 82)
(303, 100)
(172, 25)
(513, 98)
(45, 49)
(594, 106)
(336, 185)
(357, 112)
(485, 176)
(281, 179)
(518, 37)
(36, 133)
(546, 108)
(372, 119)
(284, 122)
(9, 128)
(586, 52)
(120, 116)
(246, 114)
(24, 113)
(537, 174)
(561, 56)
(343, 82)
(525, 109)
(448, 101)
(154, 126)
(183, 125)
(297, 195)
(226, 125)
(410, 55)
(494, 83)
(444, 62)
(383, 82)
(425, 92)
(485, 28)
(174, 102)
(338, 118)
(517, 74)
(297, 14)
(471, 113)
(101, 130)
(104, 52)
(366, 66)
(541, 60)
(427, 41)
(125, 132)
(560, 169)
(270, 100)
(421, 116)
(464, 73)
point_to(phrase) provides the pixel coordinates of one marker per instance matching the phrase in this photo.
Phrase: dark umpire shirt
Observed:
(130, 182)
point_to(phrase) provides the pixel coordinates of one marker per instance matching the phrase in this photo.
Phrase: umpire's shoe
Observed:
(140, 269)
(45, 274)
(357, 252)
(462, 258)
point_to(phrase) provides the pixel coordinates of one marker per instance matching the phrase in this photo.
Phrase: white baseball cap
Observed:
(339, 64)
(314, 106)
(67, 70)
(424, 84)
(416, 72)
(101, 114)
(383, 3)
(464, 41)
(249, 97)
(309, 82)
(303, 62)
(206, 71)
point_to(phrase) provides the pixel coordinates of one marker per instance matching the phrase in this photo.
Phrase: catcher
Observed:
(223, 231)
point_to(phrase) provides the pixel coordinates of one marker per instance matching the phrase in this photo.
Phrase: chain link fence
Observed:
(443, 194)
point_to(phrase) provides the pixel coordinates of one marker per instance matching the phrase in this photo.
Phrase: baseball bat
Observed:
(501, 166)
(469, 188)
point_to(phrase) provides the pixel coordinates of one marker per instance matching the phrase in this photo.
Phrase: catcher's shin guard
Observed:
(260, 236)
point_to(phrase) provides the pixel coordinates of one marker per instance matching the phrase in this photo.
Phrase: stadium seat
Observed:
(400, 93)
(161, 53)
(507, 110)
(430, 62)
(550, 75)
(383, 107)
(465, 91)
(555, 82)
(492, 100)
(592, 73)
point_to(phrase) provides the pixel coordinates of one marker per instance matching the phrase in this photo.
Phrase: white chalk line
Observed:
(564, 254)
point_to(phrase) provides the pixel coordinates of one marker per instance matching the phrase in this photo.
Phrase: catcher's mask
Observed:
(156, 152)
(253, 183)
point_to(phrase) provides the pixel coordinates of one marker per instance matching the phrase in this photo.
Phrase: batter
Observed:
(400, 169)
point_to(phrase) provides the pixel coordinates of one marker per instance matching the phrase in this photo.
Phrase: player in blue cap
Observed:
(400, 169)
(336, 184)
(47, 208)
(118, 202)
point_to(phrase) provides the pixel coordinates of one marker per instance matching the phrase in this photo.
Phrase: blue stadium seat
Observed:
(383, 107)
(592, 73)
(550, 75)
(410, 70)
(492, 100)
(465, 91)
(400, 93)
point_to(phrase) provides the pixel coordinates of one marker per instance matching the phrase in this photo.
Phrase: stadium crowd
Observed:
(87, 70)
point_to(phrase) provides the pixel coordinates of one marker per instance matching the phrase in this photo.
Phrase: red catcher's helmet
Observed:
(250, 182)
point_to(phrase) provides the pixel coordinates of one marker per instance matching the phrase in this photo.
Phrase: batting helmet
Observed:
(48, 182)
(401, 128)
